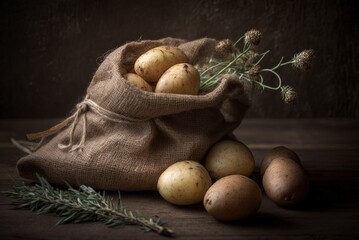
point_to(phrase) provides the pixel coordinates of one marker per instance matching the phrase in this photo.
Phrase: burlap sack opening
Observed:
(147, 132)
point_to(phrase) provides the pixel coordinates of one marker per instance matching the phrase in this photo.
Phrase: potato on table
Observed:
(229, 157)
(285, 182)
(184, 183)
(279, 151)
(233, 197)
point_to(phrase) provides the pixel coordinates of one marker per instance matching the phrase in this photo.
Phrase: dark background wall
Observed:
(50, 49)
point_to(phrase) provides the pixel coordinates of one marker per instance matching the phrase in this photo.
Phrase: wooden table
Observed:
(329, 149)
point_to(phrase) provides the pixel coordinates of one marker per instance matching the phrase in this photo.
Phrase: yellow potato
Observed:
(184, 183)
(233, 197)
(285, 182)
(229, 157)
(139, 82)
(153, 63)
(182, 78)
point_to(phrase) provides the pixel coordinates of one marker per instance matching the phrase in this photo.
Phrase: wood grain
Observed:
(330, 212)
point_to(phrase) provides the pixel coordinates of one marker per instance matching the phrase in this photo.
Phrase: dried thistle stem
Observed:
(211, 80)
(246, 67)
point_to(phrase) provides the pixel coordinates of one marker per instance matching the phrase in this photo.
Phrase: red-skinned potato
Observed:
(233, 197)
(285, 182)
(279, 151)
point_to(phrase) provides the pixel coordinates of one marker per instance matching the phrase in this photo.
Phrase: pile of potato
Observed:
(229, 164)
(234, 195)
(165, 69)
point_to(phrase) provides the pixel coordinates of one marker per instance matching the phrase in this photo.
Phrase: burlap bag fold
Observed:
(122, 138)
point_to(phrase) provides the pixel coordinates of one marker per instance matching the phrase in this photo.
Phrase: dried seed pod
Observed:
(254, 71)
(303, 60)
(253, 37)
(225, 48)
(289, 95)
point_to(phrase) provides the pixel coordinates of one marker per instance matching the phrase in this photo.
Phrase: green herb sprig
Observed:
(82, 205)
(245, 62)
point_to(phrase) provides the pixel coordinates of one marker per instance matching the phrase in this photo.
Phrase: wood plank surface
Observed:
(329, 150)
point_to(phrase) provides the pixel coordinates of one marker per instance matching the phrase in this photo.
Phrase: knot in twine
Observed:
(81, 109)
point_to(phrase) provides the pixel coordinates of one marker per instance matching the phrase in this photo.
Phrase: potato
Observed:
(229, 157)
(279, 151)
(153, 63)
(233, 197)
(285, 182)
(184, 183)
(139, 82)
(182, 78)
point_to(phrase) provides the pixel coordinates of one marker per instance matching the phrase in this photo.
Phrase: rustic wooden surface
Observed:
(329, 149)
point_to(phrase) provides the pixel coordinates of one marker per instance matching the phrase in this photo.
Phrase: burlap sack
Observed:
(123, 138)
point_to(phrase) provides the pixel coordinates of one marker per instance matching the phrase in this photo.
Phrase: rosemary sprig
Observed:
(245, 65)
(82, 205)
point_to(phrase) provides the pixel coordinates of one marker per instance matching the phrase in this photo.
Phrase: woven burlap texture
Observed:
(155, 130)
